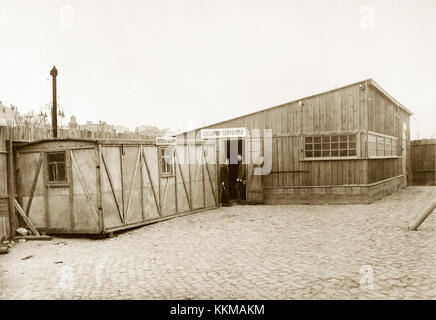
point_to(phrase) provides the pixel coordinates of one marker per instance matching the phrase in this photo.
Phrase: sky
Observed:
(184, 64)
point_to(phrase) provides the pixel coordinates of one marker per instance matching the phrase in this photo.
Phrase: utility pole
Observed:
(54, 111)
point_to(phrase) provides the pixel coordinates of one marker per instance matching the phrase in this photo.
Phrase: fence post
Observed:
(11, 189)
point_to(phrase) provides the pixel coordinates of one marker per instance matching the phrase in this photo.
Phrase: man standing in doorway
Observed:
(241, 179)
(224, 179)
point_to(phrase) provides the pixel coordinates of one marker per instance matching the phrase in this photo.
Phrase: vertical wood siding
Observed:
(423, 162)
(386, 118)
(124, 178)
(356, 108)
(341, 110)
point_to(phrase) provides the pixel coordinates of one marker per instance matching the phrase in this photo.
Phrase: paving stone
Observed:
(242, 252)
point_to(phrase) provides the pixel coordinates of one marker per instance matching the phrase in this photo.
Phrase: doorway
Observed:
(233, 148)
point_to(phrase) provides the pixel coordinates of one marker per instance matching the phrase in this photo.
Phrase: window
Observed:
(56, 167)
(381, 146)
(166, 161)
(330, 146)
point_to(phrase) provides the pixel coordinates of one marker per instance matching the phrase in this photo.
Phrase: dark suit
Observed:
(241, 180)
(224, 182)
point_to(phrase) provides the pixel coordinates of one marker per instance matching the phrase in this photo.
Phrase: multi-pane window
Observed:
(167, 157)
(381, 146)
(56, 167)
(326, 146)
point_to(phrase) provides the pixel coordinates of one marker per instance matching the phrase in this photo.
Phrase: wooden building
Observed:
(101, 186)
(347, 145)
(423, 162)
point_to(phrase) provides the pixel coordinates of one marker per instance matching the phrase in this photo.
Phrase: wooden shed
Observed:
(347, 145)
(101, 186)
(423, 162)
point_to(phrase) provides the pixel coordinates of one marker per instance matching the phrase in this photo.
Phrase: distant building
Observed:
(171, 132)
(149, 131)
(97, 127)
(8, 115)
(121, 129)
(73, 123)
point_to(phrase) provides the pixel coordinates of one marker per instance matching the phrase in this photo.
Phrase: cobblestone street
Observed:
(242, 252)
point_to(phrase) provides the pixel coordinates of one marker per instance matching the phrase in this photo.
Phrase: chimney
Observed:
(54, 111)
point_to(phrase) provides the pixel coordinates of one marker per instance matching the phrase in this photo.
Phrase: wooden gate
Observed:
(423, 159)
(404, 151)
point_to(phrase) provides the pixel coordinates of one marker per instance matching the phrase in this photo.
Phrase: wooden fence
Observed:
(423, 162)
(23, 133)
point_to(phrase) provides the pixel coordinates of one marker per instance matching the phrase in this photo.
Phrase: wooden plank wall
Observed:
(337, 111)
(288, 170)
(4, 208)
(24, 133)
(382, 169)
(423, 162)
(130, 188)
(355, 109)
(343, 109)
(386, 118)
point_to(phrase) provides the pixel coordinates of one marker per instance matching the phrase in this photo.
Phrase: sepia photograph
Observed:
(218, 155)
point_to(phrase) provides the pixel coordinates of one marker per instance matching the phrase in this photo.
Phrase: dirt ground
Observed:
(242, 252)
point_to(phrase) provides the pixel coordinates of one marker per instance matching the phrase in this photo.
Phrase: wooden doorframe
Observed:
(404, 150)
(11, 182)
(250, 173)
(244, 152)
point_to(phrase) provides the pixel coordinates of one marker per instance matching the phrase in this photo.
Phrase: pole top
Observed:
(54, 72)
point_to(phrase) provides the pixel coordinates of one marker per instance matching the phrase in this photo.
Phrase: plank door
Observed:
(254, 188)
(132, 184)
(167, 180)
(198, 176)
(404, 152)
(182, 179)
(210, 179)
(112, 187)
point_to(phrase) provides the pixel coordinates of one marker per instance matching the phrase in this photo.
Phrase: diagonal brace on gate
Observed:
(84, 187)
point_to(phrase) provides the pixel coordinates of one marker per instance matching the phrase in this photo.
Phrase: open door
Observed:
(235, 147)
(254, 189)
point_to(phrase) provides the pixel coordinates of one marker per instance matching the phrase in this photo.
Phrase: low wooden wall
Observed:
(346, 194)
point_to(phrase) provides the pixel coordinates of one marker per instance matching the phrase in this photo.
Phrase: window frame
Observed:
(381, 139)
(162, 157)
(323, 141)
(56, 183)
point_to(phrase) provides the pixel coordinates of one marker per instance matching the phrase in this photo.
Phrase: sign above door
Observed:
(162, 141)
(223, 133)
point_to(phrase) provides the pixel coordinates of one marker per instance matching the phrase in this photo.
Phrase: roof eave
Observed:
(398, 104)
